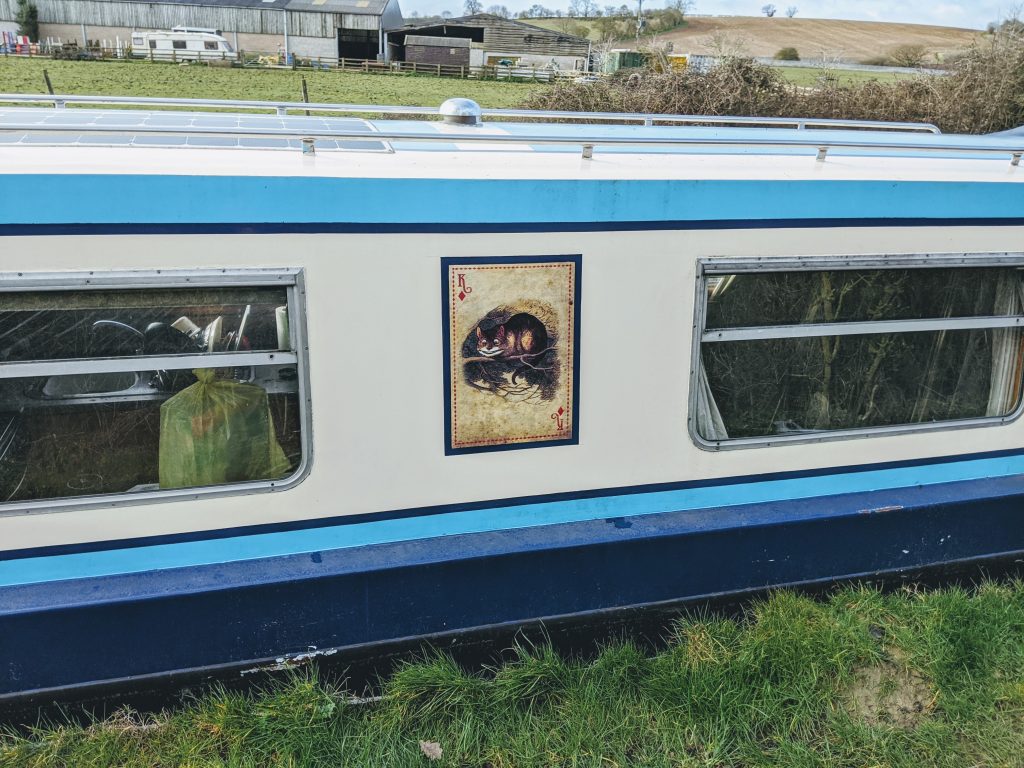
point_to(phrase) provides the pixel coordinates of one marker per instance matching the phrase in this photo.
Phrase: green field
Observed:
(811, 78)
(140, 78)
(916, 679)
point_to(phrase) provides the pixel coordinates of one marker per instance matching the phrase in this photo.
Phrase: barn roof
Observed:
(483, 20)
(365, 7)
(361, 7)
(442, 42)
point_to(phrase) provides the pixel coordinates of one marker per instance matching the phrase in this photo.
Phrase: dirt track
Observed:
(813, 38)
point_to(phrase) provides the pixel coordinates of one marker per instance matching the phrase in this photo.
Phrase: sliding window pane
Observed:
(799, 385)
(89, 434)
(54, 325)
(795, 298)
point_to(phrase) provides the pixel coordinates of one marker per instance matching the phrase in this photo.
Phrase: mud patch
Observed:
(890, 694)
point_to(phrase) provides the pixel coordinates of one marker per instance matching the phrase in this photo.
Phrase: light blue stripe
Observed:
(120, 199)
(74, 566)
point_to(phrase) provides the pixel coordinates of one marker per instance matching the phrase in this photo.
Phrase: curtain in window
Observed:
(1006, 347)
(710, 425)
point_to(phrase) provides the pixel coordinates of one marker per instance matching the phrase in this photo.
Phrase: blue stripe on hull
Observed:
(728, 493)
(80, 632)
(486, 227)
(197, 200)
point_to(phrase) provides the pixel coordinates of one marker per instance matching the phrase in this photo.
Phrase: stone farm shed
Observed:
(488, 40)
(355, 29)
(425, 49)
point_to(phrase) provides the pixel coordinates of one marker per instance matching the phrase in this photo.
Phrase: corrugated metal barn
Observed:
(494, 40)
(347, 28)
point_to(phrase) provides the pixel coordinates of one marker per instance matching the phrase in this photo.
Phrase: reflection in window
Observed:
(786, 365)
(140, 390)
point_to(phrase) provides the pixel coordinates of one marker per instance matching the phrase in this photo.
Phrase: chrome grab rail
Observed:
(282, 108)
(819, 144)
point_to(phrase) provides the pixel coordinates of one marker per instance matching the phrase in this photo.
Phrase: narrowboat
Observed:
(274, 384)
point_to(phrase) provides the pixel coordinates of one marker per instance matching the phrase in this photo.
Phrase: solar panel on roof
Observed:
(180, 122)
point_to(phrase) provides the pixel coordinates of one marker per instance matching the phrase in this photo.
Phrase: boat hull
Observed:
(65, 636)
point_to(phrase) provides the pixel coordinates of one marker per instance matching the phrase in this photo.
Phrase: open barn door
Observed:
(358, 44)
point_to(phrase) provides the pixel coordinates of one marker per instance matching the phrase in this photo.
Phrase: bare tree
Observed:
(791, 11)
(472, 6)
(683, 6)
(768, 10)
(583, 8)
(499, 10)
(726, 46)
(600, 52)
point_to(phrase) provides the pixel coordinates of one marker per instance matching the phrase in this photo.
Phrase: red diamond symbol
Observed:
(561, 410)
(462, 295)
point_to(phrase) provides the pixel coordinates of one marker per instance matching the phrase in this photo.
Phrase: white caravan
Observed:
(182, 44)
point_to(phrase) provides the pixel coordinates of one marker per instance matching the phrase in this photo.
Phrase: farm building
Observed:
(354, 29)
(424, 49)
(491, 40)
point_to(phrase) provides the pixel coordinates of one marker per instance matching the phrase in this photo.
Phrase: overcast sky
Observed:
(951, 14)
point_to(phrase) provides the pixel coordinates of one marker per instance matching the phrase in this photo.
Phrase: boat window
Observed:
(150, 390)
(179, 44)
(210, 45)
(796, 354)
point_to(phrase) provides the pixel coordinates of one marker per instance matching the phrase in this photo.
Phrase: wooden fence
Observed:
(263, 60)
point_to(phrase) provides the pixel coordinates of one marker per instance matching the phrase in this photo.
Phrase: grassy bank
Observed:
(814, 78)
(140, 78)
(863, 679)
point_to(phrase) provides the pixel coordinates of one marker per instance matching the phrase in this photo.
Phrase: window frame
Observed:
(713, 266)
(291, 278)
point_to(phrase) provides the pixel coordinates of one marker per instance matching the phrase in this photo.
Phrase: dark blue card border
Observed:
(448, 261)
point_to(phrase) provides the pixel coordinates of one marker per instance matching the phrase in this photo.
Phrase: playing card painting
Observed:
(511, 334)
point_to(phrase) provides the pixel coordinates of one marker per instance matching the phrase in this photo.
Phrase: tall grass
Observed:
(862, 679)
(983, 92)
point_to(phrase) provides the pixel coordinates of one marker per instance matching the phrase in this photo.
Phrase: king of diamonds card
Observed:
(511, 329)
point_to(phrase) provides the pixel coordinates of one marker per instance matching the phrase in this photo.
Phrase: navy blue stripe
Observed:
(83, 631)
(326, 227)
(401, 514)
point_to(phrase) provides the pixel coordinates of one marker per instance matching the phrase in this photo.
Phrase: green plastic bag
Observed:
(217, 431)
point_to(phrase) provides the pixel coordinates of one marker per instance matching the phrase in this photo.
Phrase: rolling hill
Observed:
(814, 38)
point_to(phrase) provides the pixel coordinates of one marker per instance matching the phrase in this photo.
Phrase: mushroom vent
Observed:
(460, 112)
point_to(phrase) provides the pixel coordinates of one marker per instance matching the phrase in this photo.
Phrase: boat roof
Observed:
(376, 129)
(360, 7)
(155, 128)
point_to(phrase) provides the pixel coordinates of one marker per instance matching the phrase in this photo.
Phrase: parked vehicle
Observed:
(274, 386)
(182, 44)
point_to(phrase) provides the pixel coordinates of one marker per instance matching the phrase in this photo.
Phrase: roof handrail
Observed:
(282, 108)
(819, 144)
